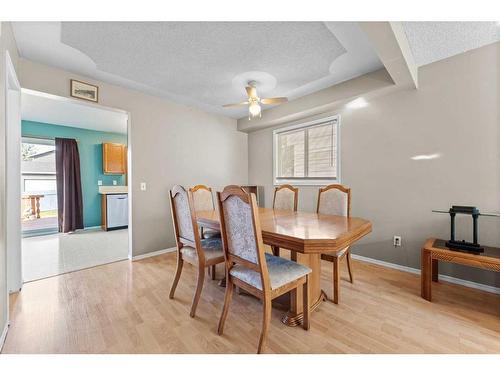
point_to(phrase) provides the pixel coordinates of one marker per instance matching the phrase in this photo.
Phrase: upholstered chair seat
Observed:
(281, 272)
(202, 253)
(212, 248)
(208, 233)
(248, 266)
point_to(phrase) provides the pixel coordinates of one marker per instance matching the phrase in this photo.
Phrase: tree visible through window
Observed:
(27, 151)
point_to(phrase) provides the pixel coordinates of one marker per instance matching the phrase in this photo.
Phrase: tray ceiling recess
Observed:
(202, 64)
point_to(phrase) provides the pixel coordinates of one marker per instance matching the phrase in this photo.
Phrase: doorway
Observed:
(48, 249)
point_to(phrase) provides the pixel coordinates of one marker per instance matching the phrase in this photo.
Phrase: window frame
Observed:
(307, 181)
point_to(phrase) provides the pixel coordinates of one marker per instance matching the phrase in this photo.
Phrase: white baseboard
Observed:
(154, 253)
(450, 279)
(4, 335)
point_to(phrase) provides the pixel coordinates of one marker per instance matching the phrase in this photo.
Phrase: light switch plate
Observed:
(99, 183)
(397, 241)
(143, 186)
(114, 182)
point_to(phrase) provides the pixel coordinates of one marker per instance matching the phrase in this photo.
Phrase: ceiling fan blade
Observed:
(251, 92)
(235, 104)
(274, 100)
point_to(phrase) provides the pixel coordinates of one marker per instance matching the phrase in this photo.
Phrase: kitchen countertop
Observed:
(113, 189)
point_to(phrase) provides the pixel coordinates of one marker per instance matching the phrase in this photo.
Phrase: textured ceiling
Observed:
(200, 59)
(433, 41)
(204, 64)
(59, 111)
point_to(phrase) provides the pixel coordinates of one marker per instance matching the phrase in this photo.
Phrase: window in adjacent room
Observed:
(308, 154)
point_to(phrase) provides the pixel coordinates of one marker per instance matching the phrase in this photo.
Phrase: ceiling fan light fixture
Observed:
(254, 109)
(254, 102)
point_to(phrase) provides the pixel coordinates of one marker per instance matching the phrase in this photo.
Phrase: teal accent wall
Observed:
(90, 149)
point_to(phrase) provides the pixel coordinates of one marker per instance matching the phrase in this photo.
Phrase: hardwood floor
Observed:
(124, 308)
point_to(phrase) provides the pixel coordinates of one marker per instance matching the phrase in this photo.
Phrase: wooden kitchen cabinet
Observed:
(114, 158)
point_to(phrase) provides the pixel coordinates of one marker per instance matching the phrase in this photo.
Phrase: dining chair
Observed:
(191, 248)
(285, 198)
(204, 201)
(336, 200)
(248, 266)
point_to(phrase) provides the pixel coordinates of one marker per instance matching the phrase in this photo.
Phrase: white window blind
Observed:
(291, 154)
(308, 153)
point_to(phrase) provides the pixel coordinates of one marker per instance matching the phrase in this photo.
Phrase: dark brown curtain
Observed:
(69, 185)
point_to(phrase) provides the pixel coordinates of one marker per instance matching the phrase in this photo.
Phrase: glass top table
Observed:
(492, 214)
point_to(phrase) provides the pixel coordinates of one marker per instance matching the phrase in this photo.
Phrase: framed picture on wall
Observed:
(86, 91)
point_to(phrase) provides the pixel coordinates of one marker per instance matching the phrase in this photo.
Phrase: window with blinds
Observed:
(307, 154)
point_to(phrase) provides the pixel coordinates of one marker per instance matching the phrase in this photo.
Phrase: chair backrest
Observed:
(334, 200)
(285, 198)
(241, 233)
(184, 218)
(202, 198)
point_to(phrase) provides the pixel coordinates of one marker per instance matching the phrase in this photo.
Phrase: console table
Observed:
(435, 250)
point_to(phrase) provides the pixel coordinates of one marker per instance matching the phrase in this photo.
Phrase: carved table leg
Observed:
(316, 295)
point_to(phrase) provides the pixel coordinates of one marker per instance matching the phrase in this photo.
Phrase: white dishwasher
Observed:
(117, 211)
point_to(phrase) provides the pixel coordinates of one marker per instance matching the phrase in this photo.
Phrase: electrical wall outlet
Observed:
(114, 182)
(397, 241)
(99, 183)
(143, 186)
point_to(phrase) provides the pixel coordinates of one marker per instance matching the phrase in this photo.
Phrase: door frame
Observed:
(129, 148)
(12, 236)
(13, 176)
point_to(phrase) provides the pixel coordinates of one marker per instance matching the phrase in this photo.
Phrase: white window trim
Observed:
(301, 181)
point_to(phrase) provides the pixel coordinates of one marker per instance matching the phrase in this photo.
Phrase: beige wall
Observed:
(7, 43)
(170, 143)
(455, 112)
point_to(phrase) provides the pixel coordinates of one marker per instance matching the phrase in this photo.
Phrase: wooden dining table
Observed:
(307, 235)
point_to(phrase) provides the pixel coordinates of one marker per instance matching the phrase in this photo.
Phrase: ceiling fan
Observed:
(254, 101)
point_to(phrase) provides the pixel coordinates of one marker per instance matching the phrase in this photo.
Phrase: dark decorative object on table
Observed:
(463, 245)
(473, 246)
